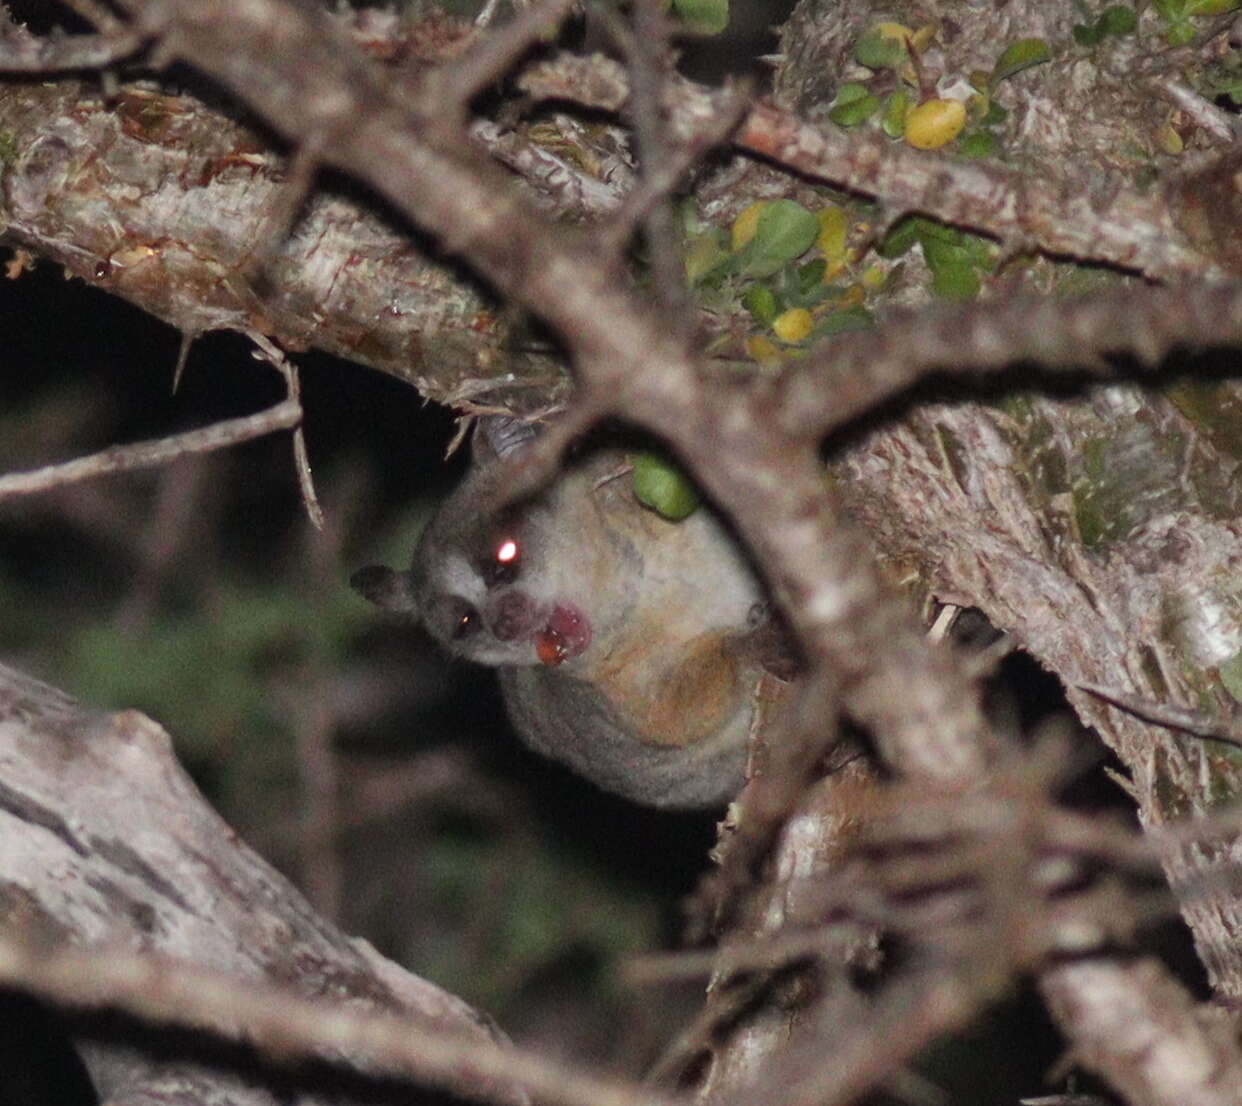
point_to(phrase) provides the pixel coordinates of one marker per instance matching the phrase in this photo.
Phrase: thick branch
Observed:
(105, 843)
(855, 373)
(164, 202)
(1132, 229)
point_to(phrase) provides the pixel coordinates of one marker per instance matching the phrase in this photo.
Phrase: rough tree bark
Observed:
(108, 845)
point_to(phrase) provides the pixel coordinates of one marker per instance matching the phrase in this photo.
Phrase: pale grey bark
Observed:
(106, 845)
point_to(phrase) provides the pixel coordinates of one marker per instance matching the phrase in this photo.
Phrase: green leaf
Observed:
(760, 301)
(942, 239)
(785, 231)
(1088, 34)
(1180, 33)
(994, 116)
(855, 112)
(955, 282)
(704, 17)
(704, 252)
(929, 230)
(880, 51)
(851, 91)
(954, 257)
(1230, 87)
(979, 144)
(810, 277)
(839, 322)
(854, 104)
(981, 251)
(896, 107)
(1119, 20)
(1020, 55)
(802, 285)
(1171, 10)
(663, 487)
(1115, 20)
(944, 255)
(900, 237)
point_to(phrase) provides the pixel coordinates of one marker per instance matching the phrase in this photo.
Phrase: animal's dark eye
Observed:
(466, 621)
(502, 566)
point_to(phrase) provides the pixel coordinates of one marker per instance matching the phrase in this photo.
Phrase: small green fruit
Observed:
(663, 487)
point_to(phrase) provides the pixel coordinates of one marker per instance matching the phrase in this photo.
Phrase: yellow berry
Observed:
(745, 224)
(793, 325)
(874, 276)
(833, 228)
(934, 123)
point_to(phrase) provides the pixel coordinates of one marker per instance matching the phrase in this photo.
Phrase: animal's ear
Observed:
(500, 438)
(385, 587)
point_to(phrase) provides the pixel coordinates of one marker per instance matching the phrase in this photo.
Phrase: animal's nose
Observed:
(511, 616)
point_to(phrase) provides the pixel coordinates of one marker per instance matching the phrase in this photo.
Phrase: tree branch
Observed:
(122, 888)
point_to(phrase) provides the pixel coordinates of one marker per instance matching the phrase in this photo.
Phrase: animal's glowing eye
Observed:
(467, 621)
(503, 565)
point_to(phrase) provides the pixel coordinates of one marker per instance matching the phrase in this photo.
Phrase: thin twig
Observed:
(1069, 1099)
(648, 63)
(1216, 121)
(271, 353)
(286, 415)
(834, 940)
(279, 219)
(94, 11)
(283, 416)
(853, 373)
(1184, 719)
(188, 338)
